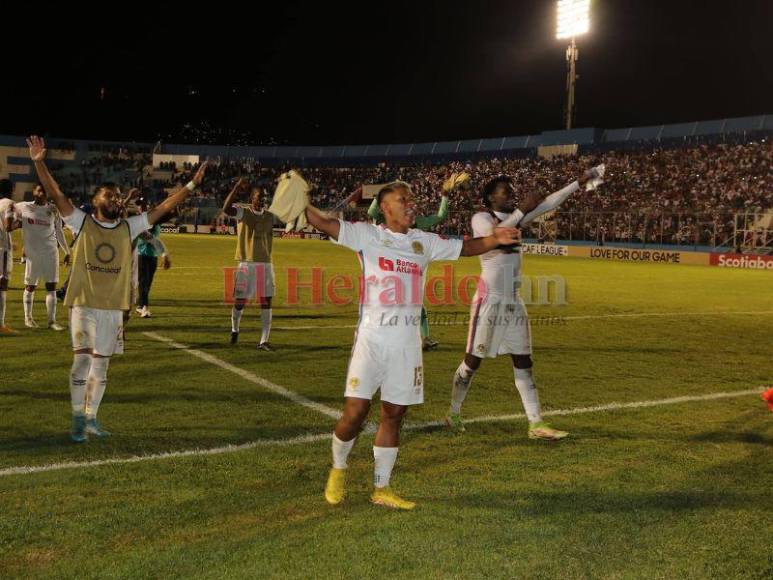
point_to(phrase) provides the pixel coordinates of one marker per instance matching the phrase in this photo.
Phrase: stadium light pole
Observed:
(572, 19)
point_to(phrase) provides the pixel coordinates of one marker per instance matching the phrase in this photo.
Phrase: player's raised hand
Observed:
(67, 259)
(37, 148)
(199, 177)
(507, 236)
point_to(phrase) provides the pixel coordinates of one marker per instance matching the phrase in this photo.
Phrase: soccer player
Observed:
(387, 351)
(255, 273)
(499, 323)
(99, 288)
(6, 248)
(425, 223)
(42, 228)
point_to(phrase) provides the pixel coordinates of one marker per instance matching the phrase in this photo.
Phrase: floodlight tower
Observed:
(573, 19)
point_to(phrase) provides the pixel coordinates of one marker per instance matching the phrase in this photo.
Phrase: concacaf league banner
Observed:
(544, 249)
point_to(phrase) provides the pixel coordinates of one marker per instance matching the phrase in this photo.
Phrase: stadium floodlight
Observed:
(573, 19)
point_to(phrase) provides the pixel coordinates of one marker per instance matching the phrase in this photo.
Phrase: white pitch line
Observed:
(247, 375)
(586, 317)
(313, 438)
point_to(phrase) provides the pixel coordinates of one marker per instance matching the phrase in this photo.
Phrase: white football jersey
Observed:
(5, 211)
(394, 267)
(500, 269)
(38, 224)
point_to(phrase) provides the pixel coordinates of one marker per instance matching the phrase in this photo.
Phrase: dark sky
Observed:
(371, 71)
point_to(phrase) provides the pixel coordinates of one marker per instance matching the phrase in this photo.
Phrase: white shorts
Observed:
(41, 268)
(497, 329)
(251, 277)
(6, 263)
(98, 330)
(397, 371)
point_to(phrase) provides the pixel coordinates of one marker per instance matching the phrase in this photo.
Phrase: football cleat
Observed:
(454, 421)
(542, 430)
(78, 429)
(94, 428)
(386, 497)
(55, 326)
(334, 489)
(266, 346)
(234, 337)
(139, 310)
(428, 344)
(29, 323)
(145, 313)
(6, 330)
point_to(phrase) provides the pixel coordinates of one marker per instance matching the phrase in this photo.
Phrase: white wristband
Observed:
(192, 186)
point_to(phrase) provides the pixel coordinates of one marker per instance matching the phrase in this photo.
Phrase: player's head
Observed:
(256, 196)
(396, 202)
(497, 193)
(6, 188)
(107, 201)
(39, 195)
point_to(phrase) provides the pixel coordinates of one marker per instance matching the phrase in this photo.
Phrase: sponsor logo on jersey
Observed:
(418, 248)
(386, 264)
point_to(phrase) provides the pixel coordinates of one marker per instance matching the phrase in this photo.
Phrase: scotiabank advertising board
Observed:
(742, 261)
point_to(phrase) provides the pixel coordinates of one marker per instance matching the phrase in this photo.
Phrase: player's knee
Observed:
(3, 283)
(392, 413)
(239, 304)
(522, 361)
(30, 288)
(50, 286)
(355, 412)
(265, 303)
(472, 361)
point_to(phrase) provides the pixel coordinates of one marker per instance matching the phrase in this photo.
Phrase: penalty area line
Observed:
(249, 376)
(316, 437)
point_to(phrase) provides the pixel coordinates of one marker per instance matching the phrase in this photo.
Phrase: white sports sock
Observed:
(461, 384)
(2, 307)
(341, 450)
(385, 458)
(236, 318)
(96, 385)
(27, 300)
(78, 375)
(524, 382)
(51, 306)
(265, 322)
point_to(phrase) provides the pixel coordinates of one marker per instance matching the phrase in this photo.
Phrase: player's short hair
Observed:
(492, 184)
(391, 187)
(108, 186)
(6, 188)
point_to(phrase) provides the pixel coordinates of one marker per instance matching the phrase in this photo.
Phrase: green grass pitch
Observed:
(672, 491)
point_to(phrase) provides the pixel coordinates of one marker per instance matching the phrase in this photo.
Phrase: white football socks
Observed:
(461, 384)
(385, 458)
(97, 384)
(28, 300)
(236, 318)
(51, 306)
(2, 307)
(524, 382)
(265, 323)
(78, 375)
(341, 450)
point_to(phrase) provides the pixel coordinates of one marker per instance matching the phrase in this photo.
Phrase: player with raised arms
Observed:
(99, 288)
(387, 352)
(499, 323)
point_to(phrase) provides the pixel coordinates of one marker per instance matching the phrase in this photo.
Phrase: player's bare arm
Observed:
(323, 222)
(177, 197)
(501, 236)
(38, 155)
(228, 205)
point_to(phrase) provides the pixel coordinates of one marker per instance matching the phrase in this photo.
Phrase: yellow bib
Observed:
(101, 267)
(255, 235)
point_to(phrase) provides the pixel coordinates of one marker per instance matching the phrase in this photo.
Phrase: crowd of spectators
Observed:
(685, 196)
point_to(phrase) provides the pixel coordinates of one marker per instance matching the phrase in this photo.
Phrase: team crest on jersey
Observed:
(387, 243)
(481, 348)
(418, 248)
(354, 382)
(105, 253)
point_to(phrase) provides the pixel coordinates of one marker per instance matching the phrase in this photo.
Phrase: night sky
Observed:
(373, 72)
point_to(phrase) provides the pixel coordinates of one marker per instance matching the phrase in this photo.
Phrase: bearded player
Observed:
(41, 227)
(99, 289)
(387, 352)
(499, 323)
(254, 276)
